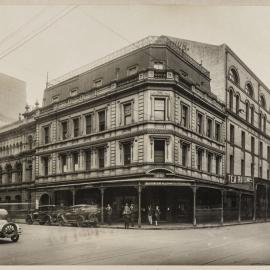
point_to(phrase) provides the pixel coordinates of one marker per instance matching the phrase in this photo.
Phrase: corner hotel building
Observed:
(142, 125)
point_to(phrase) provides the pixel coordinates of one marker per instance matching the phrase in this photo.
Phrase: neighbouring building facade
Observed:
(144, 126)
(248, 114)
(12, 98)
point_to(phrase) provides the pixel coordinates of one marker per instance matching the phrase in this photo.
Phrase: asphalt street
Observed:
(53, 245)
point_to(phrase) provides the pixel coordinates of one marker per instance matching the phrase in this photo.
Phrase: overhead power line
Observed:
(33, 35)
(13, 33)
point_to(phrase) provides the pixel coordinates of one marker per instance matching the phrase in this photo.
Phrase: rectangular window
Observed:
(132, 70)
(260, 171)
(159, 151)
(232, 134)
(75, 161)
(64, 163)
(252, 145)
(158, 65)
(101, 155)
(46, 131)
(231, 165)
(101, 119)
(209, 128)
(261, 150)
(98, 83)
(159, 109)
(127, 114)
(218, 160)
(243, 167)
(64, 130)
(268, 154)
(199, 159)
(209, 162)
(127, 153)
(184, 154)
(243, 140)
(199, 123)
(184, 120)
(252, 169)
(88, 159)
(76, 127)
(88, 124)
(218, 132)
(268, 175)
(46, 166)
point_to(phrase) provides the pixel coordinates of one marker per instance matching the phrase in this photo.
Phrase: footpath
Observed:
(170, 226)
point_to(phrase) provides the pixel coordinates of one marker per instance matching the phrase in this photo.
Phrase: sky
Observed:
(33, 41)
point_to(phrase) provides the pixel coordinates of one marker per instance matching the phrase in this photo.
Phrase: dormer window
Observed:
(158, 65)
(98, 83)
(55, 98)
(73, 92)
(132, 70)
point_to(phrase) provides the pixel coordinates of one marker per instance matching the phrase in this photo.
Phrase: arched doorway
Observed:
(44, 199)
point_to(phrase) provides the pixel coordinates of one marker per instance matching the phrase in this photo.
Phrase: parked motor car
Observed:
(45, 214)
(80, 215)
(9, 229)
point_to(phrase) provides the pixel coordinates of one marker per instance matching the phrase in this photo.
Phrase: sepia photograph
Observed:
(134, 133)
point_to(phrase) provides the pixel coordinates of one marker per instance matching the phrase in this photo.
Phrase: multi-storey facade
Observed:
(143, 126)
(17, 149)
(248, 110)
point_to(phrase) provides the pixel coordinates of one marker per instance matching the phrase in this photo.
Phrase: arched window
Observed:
(247, 110)
(262, 101)
(237, 103)
(1, 171)
(252, 114)
(264, 123)
(9, 173)
(30, 141)
(18, 168)
(260, 120)
(231, 99)
(249, 89)
(233, 76)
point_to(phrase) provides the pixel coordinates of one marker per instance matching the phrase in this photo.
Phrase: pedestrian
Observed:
(109, 214)
(156, 215)
(149, 214)
(132, 214)
(126, 216)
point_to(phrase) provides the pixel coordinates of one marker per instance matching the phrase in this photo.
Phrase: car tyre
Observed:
(60, 221)
(80, 221)
(15, 238)
(9, 230)
(29, 220)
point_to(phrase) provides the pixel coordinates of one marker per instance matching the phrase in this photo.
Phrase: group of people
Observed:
(153, 214)
(129, 214)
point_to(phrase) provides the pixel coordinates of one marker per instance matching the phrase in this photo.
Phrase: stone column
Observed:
(24, 174)
(266, 202)
(239, 207)
(14, 176)
(139, 205)
(73, 196)
(254, 203)
(222, 210)
(102, 204)
(194, 205)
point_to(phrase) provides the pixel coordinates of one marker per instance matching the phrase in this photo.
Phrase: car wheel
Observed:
(80, 221)
(60, 221)
(29, 220)
(49, 221)
(9, 230)
(15, 238)
(41, 222)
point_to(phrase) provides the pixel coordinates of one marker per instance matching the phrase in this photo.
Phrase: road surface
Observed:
(47, 245)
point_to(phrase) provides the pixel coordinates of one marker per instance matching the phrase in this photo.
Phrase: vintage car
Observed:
(45, 214)
(80, 215)
(8, 229)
